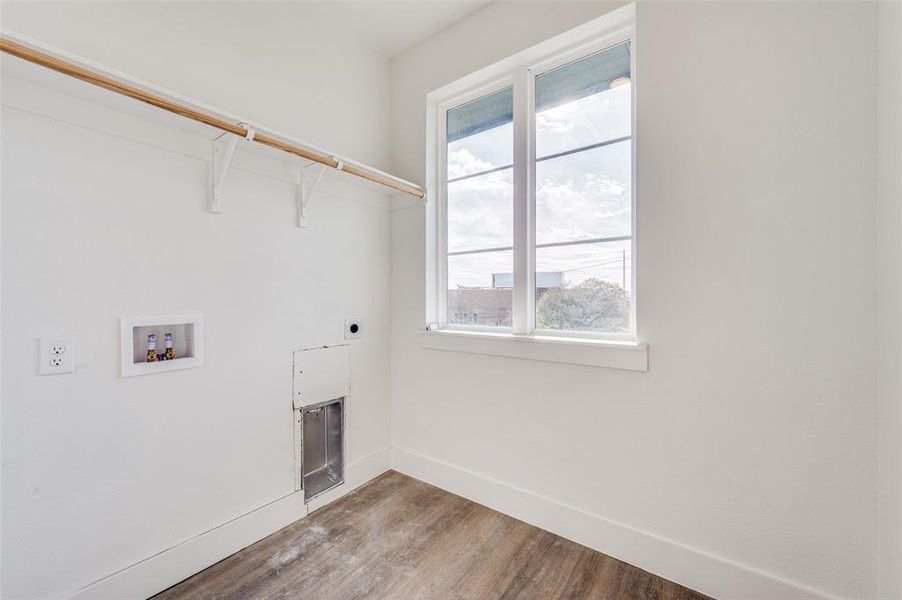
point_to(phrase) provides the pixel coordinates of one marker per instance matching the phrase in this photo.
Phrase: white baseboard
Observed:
(693, 568)
(160, 571)
(167, 568)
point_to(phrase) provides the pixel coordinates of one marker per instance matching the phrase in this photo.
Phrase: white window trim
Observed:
(588, 348)
(589, 352)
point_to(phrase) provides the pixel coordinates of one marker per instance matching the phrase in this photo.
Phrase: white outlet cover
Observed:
(56, 355)
(350, 335)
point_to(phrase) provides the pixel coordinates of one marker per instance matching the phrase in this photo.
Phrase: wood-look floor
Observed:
(400, 538)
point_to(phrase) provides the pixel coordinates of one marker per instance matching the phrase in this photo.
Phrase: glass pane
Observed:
(481, 135)
(479, 289)
(586, 195)
(597, 118)
(480, 212)
(584, 287)
(585, 102)
(486, 112)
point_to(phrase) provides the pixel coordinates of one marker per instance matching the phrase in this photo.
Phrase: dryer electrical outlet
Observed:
(353, 329)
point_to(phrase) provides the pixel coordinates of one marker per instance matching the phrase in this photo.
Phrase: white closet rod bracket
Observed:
(305, 194)
(223, 152)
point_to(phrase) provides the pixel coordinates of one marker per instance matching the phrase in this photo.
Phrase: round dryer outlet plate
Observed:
(353, 328)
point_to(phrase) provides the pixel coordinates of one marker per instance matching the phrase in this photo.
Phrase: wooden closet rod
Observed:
(73, 70)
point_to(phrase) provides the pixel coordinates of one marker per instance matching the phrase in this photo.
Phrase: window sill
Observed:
(631, 356)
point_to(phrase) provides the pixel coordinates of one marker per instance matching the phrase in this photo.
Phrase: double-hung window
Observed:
(534, 180)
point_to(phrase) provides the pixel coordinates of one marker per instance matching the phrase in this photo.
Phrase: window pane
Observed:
(480, 283)
(585, 195)
(584, 287)
(480, 135)
(481, 152)
(480, 212)
(585, 102)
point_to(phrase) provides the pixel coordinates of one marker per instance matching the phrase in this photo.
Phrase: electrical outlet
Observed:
(56, 355)
(353, 329)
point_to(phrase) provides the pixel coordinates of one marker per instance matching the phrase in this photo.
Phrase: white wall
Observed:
(276, 63)
(105, 214)
(743, 463)
(889, 307)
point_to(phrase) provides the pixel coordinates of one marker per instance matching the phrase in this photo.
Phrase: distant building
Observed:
(544, 280)
(492, 306)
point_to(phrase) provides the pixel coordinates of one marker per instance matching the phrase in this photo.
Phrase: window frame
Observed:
(520, 72)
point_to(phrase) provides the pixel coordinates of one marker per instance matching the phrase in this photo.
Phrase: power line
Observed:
(601, 264)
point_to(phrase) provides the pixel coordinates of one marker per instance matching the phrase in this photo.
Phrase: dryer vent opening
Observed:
(323, 454)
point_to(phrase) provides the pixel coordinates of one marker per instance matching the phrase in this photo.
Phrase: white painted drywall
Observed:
(889, 294)
(278, 63)
(101, 472)
(750, 443)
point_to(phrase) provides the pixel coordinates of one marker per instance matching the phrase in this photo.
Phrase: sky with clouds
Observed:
(579, 196)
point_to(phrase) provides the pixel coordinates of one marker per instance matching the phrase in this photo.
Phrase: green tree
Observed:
(593, 305)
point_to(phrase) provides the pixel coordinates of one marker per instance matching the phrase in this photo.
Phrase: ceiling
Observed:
(391, 27)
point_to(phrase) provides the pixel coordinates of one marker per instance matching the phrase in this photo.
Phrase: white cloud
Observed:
(463, 162)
